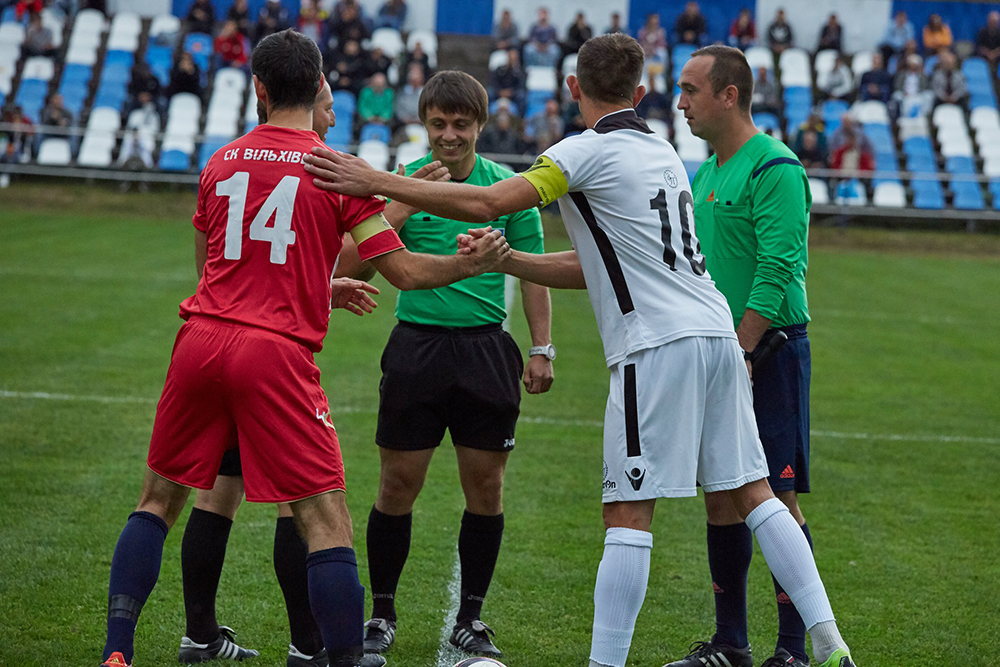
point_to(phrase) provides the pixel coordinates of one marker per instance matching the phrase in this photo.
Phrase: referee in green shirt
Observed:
(449, 365)
(751, 207)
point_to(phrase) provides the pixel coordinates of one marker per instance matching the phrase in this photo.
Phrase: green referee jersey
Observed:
(752, 217)
(473, 301)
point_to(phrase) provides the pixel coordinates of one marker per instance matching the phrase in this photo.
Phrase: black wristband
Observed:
(747, 356)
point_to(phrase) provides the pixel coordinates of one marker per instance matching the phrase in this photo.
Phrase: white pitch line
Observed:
(548, 421)
(448, 655)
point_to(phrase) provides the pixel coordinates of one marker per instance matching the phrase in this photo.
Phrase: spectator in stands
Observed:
(272, 18)
(876, 83)
(392, 14)
(380, 63)
(38, 39)
(201, 17)
(937, 35)
(419, 57)
(347, 24)
(185, 77)
(852, 153)
(240, 13)
(743, 31)
(407, 105)
(810, 152)
(838, 83)
(654, 104)
(231, 48)
(831, 36)
(56, 115)
(814, 123)
(311, 22)
(850, 130)
(579, 32)
(766, 96)
(912, 88)
(948, 82)
(506, 34)
(501, 136)
(653, 39)
(988, 39)
(573, 119)
(691, 26)
(375, 101)
(899, 32)
(547, 127)
(136, 152)
(541, 49)
(351, 67)
(779, 33)
(32, 6)
(508, 80)
(16, 142)
(616, 24)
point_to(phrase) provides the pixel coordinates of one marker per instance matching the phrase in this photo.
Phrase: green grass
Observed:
(905, 343)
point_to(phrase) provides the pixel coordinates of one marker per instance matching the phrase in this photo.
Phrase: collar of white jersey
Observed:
(624, 119)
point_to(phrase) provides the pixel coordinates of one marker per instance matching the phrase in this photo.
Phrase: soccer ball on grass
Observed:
(479, 662)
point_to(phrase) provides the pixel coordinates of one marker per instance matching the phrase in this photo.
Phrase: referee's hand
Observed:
(538, 374)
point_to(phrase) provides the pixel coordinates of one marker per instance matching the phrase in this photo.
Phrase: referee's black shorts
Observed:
(465, 379)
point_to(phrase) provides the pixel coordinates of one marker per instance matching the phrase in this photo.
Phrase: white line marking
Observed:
(448, 655)
(547, 421)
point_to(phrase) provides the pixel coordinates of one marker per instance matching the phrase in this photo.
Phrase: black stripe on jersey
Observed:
(774, 163)
(631, 414)
(622, 120)
(607, 251)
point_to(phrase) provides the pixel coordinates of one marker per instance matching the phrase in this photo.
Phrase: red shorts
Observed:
(230, 385)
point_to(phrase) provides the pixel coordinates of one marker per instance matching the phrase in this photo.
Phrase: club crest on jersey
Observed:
(324, 416)
(670, 177)
(609, 485)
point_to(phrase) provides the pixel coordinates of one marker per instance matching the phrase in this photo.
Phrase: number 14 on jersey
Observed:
(280, 203)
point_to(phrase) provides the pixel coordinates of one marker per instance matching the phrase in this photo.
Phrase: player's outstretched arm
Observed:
(411, 270)
(346, 174)
(352, 295)
(396, 212)
(560, 270)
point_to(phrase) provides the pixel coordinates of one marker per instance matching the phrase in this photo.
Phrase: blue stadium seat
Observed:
(691, 168)
(113, 98)
(881, 137)
(921, 163)
(682, 52)
(512, 107)
(960, 165)
(376, 131)
(121, 58)
(338, 137)
(160, 59)
(983, 98)
(536, 102)
(800, 94)
(995, 192)
(929, 64)
(175, 161)
(208, 149)
(918, 146)
(766, 121)
(74, 95)
(74, 73)
(968, 195)
(927, 194)
(199, 45)
(115, 73)
(9, 15)
(3, 99)
(249, 125)
(886, 162)
(976, 69)
(344, 102)
(833, 109)
(31, 97)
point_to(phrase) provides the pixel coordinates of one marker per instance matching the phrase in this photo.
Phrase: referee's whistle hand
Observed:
(340, 172)
(538, 375)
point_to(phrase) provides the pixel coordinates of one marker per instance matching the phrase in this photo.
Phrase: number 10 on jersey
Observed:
(280, 203)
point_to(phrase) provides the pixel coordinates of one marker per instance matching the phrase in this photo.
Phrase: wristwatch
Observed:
(548, 351)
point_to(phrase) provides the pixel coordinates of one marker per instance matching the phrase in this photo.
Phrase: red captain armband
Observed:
(375, 236)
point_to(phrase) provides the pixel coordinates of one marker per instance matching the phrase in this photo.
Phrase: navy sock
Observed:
(478, 549)
(791, 629)
(388, 546)
(730, 549)
(337, 599)
(203, 551)
(134, 570)
(290, 554)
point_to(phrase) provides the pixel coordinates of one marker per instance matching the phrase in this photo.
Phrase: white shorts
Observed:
(678, 414)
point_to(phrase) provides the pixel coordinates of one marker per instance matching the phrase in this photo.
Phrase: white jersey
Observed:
(626, 202)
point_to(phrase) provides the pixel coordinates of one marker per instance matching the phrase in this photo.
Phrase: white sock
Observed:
(618, 594)
(791, 561)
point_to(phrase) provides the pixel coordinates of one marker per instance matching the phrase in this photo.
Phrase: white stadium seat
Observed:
(945, 114)
(95, 151)
(991, 166)
(542, 78)
(427, 38)
(184, 105)
(825, 60)
(11, 33)
(251, 107)
(661, 80)
(229, 80)
(54, 152)
(178, 142)
(104, 120)
(53, 22)
(164, 25)
(693, 150)
(146, 123)
(872, 111)
(416, 133)
(375, 153)
(221, 127)
(820, 191)
(499, 58)
(795, 69)
(984, 117)
(390, 41)
(913, 127)
(569, 64)
(125, 30)
(759, 56)
(991, 150)
(38, 67)
(85, 54)
(410, 151)
(861, 63)
(889, 194)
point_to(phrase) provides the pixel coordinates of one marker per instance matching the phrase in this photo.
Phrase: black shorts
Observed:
(231, 465)
(466, 380)
(781, 403)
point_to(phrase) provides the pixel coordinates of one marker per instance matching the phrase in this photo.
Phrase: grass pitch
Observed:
(905, 447)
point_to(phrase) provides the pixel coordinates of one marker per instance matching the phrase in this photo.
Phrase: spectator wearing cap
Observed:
(937, 35)
(831, 35)
(691, 26)
(988, 39)
(743, 31)
(779, 33)
(876, 83)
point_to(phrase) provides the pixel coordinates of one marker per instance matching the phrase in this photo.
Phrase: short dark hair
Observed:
(609, 67)
(289, 65)
(730, 68)
(452, 91)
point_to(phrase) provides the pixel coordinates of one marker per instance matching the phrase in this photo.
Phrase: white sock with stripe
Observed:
(618, 595)
(791, 561)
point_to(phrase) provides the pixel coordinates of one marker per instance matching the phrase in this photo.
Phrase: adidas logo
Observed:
(711, 196)
(788, 473)
(783, 598)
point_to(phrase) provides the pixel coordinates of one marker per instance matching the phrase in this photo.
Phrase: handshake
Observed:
(486, 249)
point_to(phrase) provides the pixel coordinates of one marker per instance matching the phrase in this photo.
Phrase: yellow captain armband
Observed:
(369, 227)
(547, 179)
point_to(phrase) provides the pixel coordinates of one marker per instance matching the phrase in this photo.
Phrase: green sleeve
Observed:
(781, 221)
(524, 231)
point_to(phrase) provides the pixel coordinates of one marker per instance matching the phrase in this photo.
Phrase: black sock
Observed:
(290, 554)
(730, 549)
(135, 568)
(791, 629)
(203, 550)
(388, 547)
(478, 549)
(337, 600)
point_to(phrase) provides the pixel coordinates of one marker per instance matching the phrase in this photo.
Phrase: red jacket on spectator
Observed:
(232, 48)
(865, 161)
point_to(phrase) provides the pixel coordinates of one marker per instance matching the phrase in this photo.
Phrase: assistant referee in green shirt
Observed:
(449, 364)
(751, 208)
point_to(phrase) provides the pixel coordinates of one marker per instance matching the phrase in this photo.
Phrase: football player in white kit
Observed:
(680, 409)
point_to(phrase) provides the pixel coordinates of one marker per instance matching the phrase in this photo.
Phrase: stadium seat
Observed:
(832, 110)
(889, 194)
(871, 111)
(825, 60)
(222, 127)
(881, 138)
(541, 78)
(12, 34)
(229, 80)
(820, 191)
(569, 64)
(9, 15)
(766, 121)
(145, 123)
(410, 152)
(177, 142)
(428, 40)
(199, 45)
(983, 98)
(249, 125)
(416, 133)
(976, 69)
(85, 54)
(163, 30)
(967, 195)
(498, 59)
(795, 69)
(74, 95)
(125, 30)
(918, 146)
(344, 103)
(913, 127)
(851, 192)
(682, 53)
(95, 151)
(76, 74)
(927, 194)
(861, 63)
(339, 136)
(208, 149)
(930, 63)
(88, 27)
(160, 59)
(112, 97)
(956, 146)
(375, 132)
(948, 114)
(960, 165)
(389, 40)
(174, 160)
(759, 56)
(695, 150)
(991, 166)
(921, 163)
(54, 152)
(375, 153)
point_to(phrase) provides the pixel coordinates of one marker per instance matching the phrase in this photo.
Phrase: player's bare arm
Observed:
(560, 270)
(200, 251)
(352, 295)
(346, 174)
(538, 373)
(752, 327)
(409, 270)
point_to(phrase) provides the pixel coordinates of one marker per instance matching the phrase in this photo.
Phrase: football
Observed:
(479, 662)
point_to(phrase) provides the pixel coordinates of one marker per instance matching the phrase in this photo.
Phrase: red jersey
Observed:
(273, 237)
